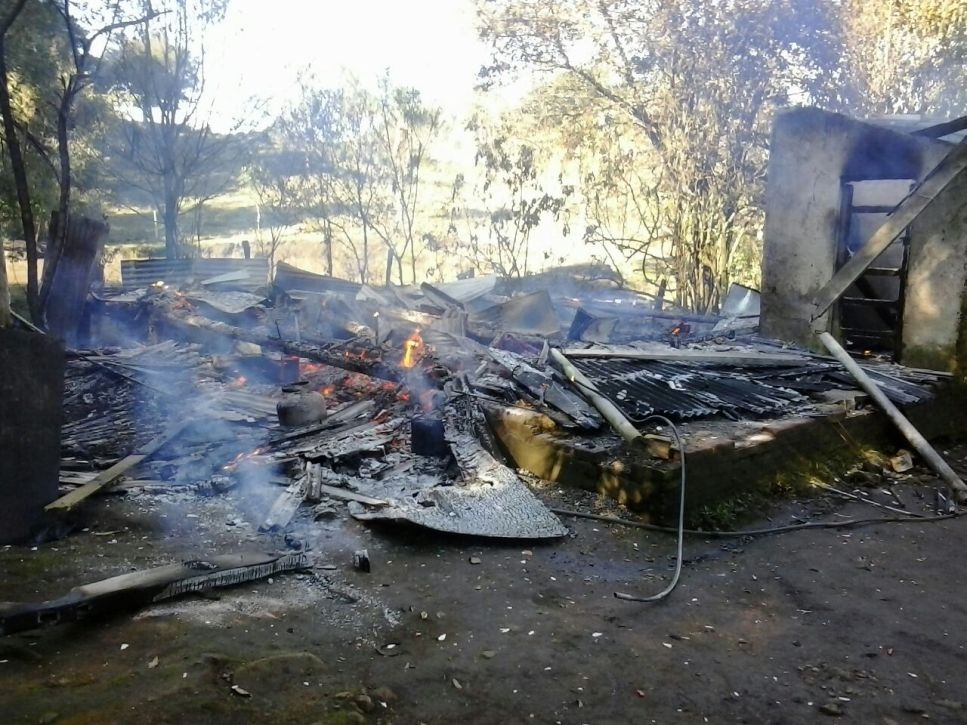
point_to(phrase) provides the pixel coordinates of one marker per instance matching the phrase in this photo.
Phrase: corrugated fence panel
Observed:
(137, 273)
(257, 268)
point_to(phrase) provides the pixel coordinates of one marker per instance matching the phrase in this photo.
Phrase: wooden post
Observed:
(607, 409)
(933, 459)
(5, 317)
(68, 272)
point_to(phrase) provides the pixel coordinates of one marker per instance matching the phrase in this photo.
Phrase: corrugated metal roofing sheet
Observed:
(683, 390)
(693, 390)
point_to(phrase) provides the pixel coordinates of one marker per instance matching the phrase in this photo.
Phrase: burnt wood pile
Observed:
(399, 382)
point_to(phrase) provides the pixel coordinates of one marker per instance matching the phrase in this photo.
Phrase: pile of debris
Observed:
(324, 391)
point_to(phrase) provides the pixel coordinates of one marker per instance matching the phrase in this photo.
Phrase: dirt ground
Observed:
(859, 625)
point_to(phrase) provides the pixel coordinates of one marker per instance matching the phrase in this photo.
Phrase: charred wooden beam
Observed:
(943, 129)
(364, 358)
(547, 390)
(112, 474)
(137, 589)
(284, 508)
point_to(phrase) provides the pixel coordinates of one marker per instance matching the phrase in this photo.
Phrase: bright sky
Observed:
(263, 44)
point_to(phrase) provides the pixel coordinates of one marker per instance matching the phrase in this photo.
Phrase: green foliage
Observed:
(36, 49)
(358, 158)
(513, 197)
(667, 107)
(165, 147)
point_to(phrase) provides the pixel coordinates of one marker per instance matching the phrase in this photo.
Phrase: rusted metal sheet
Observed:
(137, 273)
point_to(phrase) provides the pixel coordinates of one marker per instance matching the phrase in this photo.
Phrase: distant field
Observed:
(228, 220)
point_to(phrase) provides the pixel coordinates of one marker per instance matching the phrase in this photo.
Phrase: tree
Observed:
(275, 176)
(902, 57)
(667, 105)
(508, 203)
(692, 126)
(406, 131)
(17, 162)
(49, 91)
(73, 81)
(169, 148)
(364, 155)
(342, 176)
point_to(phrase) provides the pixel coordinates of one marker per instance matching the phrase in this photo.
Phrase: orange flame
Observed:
(233, 464)
(412, 350)
(238, 382)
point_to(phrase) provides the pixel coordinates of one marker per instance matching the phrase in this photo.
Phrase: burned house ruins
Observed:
(306, 397)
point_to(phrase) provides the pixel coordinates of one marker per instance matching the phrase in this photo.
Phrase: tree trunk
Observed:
(170, 219)
(19, 170)
(364, 276)
(389, 266)
(55, 233)
(328, 243)
(73, 261)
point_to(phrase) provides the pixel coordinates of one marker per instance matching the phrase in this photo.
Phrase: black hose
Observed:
(844, 524)
(681, 523)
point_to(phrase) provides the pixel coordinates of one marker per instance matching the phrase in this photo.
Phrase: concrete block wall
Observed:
(812, 153)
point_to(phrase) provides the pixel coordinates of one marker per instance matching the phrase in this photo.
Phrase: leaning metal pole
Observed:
(607, 409)
(933, 459)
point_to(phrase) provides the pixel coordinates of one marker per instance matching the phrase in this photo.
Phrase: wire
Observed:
(844, 524)
(681, 531)
(681, 507)
(681, 524)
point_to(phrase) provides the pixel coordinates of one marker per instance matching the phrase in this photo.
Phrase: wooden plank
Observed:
(347, 495)
(284, 507)
(916, 439)
(908, 210)
(107, 477)
(943, 129)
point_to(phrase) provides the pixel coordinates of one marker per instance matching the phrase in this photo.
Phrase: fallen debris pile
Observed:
(382, 402)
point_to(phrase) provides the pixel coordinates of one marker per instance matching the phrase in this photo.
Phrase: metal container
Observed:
(300, 405)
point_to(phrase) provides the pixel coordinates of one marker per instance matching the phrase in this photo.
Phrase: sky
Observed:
(262, 45)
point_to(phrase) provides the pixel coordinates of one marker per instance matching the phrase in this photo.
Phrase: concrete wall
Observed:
(934, 319)
(812, 153)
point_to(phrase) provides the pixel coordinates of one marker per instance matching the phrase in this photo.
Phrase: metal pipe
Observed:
(933, 459)
(604, 406)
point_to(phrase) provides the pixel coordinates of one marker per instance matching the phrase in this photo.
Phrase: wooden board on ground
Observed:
(107, 477)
